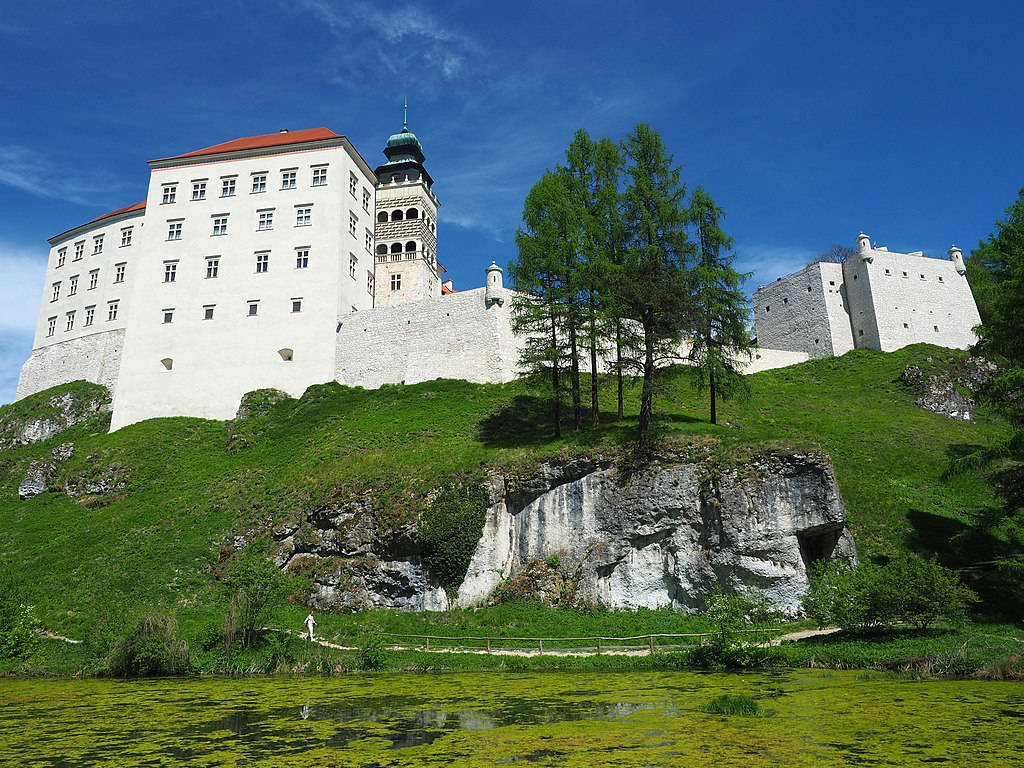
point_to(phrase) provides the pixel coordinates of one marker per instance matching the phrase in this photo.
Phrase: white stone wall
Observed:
(803, 312)
(418, 269)
(95, 357)
(764, 359)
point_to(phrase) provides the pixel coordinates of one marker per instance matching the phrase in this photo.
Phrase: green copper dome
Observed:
(402, 139)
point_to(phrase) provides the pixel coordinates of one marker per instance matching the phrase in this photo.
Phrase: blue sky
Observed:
(806, 122)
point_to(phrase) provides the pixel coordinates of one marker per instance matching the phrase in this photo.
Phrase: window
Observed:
(785, 300)
(352, 223)
(126, 237)
(259, 182)
(353, 183)
(296, 305)
(382, 216)
(97, 245)
(922, 277)
(208, 311)
(119, 272)
(768, 308)
(90, 315)
(62, 256)
(167, 363)
(168, 316)
(286, 354)
(936, 328)
(212, 266)
(397, 215)
(254, 307)
(227, 187)
(352, 262)
(303, 216)
(369, 241)
(412, 213)
(170, 192)
(320, 176)
(808, 289)
(71, 321)
(888, 271)
(369, 282)
(860, 331)
(262, 262)
(73, 285)
(904, 274)
(79, 249)
(301, 258)
(288, 179)
(220, 225)
(112, 310)
(174, 230)
(266, 220)
(366, 199)
(170, 271)
(905, 325)
(198, 190)
(831, 282)
(396, 282)
(940, 279)
(94, 278)
(51, 325)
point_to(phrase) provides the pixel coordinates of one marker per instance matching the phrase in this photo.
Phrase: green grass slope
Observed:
(189, 484)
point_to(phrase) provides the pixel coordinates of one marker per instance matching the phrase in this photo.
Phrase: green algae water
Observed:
(565, 719)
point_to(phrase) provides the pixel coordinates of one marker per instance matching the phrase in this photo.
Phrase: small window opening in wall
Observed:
(286, 354)
(906, 325)
(167, 363)
(922, 277)
(936, 328)
(860, 331)
(254, 307)
(208, 312)
(296, 305)
(854, 275)
(808, 289)
(168, 315)
(904, 274)
(940, 279)
(888, 271)
(768, 308)
(785, 300)
(817, 341)
(831, 282)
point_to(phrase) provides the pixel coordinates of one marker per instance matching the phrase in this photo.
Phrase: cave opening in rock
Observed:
(818, 545)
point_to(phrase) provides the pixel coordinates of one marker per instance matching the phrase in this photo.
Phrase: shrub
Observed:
(152, 648)
(372, 654)
(921, 591)
(741, 705)
(255, 584)
(19, 627)
(450, 530)
(729, 645)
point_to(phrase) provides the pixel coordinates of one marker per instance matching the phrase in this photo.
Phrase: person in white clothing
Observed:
(310, 623)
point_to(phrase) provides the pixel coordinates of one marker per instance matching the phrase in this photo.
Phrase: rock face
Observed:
(941, 392)
(52, 416)
(664, 534)
(40, 472)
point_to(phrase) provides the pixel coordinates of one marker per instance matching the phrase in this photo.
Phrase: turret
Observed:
(957, 257)
(494, 290)
(864, 248)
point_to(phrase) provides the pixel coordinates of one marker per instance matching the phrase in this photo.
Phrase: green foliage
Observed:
(255, 584)
(450, 530)
(19, 626)
(372, 654)
(922, 591)
(151, 648)
(729, 704)
(731, 644)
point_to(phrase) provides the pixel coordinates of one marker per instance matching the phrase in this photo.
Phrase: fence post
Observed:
(428, 643)
(650, 643)
(488, 645)
(599, 646)
(541, 644)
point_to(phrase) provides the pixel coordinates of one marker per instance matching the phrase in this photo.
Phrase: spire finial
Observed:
(405, 115)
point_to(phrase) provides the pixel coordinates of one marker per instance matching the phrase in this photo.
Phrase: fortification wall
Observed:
(798, 314)
(452, 337)
(95, 358)
(764, 359)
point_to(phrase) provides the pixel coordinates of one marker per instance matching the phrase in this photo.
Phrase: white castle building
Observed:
(878, 299)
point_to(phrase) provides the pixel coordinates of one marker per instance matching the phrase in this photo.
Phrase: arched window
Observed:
(412, 213)
(382, 216)
(396, 247)
(167, 363)
(382, 249)
(396, 215)
(286, 354)
(410, 246)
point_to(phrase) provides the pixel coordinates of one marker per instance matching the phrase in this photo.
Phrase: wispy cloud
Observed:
(30, 171)
(768, 262)
(21, 289)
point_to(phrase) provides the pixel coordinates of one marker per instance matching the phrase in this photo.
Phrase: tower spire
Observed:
(405, 115)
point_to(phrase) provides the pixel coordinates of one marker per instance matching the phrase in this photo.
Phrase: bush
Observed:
(372, 654)
(741, 705)
(19, 627)
(255, 584)
(450, 531)
(729, 645)
(922, 591)
(152, 648)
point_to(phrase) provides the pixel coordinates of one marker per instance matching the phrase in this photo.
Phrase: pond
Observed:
(566, 719)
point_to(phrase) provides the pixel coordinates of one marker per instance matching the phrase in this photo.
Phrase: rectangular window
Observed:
(51, 326)
(94, 278)
(262, 262)
(369, 282)
(352, 262)
(936, 328)
(227, 187)
(366, 199)
(904, 274)
(174, 230)
(79, 249)
(62, 255)
(319, 176)
(97, 245)
(119, 272)
(90, 315)
(396, 282)
(170, 271)
(353, 183)
(220, 225)
(303, 217)
(301, 258)
(73, 285)
(170, 192)
(198, 190)
(111, 310)
(353, 221)
(168, 316)
(288, 179)
(266, 220)
(71, 321)
(212, 267)
(254, 308)
(208, 311)
(922, 277)
(296, 305)
(369, 241)
(259, 182)
(940, 279)
(126, 237)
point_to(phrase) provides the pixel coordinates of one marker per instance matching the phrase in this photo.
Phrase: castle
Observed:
(284, 260)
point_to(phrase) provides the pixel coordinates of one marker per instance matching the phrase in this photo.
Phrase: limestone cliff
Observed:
(662, 532)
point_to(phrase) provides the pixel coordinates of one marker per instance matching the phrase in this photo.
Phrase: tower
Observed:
(406, 268)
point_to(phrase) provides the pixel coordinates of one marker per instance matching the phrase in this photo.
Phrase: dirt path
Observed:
(803, 634)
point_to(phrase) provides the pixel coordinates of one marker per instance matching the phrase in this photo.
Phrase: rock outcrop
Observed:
(662, 532)
(944, 392)
(41, 417)
(40, 473)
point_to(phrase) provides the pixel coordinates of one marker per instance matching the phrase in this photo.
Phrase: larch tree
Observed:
(721, 341)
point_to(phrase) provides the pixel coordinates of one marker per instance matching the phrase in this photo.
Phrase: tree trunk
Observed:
(711, 380)
(618, 363)
(577, 416)
(595, 417)
(556, 404)
(647, 396)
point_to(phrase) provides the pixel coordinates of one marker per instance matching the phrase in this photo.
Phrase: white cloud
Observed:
(768, 262)
(15, 348)
(21, 289)
(27, 170)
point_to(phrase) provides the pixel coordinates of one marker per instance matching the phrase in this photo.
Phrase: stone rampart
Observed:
(95, 358)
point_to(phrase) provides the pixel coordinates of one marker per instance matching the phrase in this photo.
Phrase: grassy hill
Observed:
(182, 487)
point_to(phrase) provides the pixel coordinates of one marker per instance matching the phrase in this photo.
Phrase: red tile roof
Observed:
(127, 209)
(445, 290)
(260, 142)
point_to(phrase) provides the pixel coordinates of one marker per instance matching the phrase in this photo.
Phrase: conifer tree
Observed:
(721, 339)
